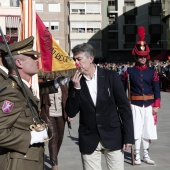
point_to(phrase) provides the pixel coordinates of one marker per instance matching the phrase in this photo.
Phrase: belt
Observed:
(144, 97)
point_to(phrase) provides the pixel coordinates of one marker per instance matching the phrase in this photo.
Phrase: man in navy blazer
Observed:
(106, 124)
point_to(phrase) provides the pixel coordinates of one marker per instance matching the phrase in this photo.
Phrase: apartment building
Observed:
(10, 16)
(111, 26)
(122, 20)
(54, 14)
(166, 20)
(85, 23)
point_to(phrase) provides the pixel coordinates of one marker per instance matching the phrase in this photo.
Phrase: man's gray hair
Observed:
(8, 63)
(86, 48)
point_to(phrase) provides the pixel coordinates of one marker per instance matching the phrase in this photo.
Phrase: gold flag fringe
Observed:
(54, 74)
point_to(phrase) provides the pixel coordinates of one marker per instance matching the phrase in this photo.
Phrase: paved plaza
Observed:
(69, 156)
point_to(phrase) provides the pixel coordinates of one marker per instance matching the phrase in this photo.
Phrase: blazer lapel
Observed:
(85, 90)
(5, 75)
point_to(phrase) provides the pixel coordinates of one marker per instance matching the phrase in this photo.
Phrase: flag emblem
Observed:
(7, 106)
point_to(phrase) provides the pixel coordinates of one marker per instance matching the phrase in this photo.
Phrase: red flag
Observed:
(53, 57)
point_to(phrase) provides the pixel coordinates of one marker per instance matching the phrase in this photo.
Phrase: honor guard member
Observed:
(143, 83)
(23, 148)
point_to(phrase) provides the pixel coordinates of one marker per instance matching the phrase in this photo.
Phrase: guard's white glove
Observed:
(38, 137)
(61, 80)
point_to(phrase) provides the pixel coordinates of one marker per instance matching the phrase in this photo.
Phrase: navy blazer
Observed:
(110, 121)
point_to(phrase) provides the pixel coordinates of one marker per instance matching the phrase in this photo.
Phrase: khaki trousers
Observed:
(114, 159)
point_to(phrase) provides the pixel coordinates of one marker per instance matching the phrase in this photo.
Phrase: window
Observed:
(15, 3)
(39, 7)
(85, 27)
(131, 38)
(93, 8)
(130, 19)
(54, 25)
(155, 10)
(129, 3)
(77, 8)
(111, 2)
(11, 31)
(130, 29)
(155, 29)
(77, 27)
(94, 26)
(5, 3)
(85, 8)
(54, 7)
(112, 40)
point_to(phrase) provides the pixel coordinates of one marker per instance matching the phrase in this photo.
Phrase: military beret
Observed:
(24, 47)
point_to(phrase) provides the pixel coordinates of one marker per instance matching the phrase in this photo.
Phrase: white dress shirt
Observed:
(92, 86)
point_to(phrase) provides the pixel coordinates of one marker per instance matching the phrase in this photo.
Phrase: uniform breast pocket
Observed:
(28, 112)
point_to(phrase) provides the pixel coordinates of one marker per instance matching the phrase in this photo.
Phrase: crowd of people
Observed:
(162, 68)
(110, 121)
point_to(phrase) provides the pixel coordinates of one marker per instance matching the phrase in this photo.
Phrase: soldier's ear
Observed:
(18, 63)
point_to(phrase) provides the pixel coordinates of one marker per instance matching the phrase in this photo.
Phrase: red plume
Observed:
(141, 33)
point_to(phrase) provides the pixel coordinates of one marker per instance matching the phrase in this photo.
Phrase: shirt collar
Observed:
(4, 69)
(94, 75)
(142, 67)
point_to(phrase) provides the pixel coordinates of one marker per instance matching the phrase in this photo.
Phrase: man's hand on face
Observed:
(76, 79)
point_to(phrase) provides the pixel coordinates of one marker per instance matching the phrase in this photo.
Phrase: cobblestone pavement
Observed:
(69, 156)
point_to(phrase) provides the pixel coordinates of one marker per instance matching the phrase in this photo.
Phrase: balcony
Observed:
(111, 9)
(130, 29)
(129, 45)
(113, 27)
(9, 3)
(155, 10)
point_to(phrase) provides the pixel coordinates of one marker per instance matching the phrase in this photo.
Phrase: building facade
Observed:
(166, 20)
(121, 23)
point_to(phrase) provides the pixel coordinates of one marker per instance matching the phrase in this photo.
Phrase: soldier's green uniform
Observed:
(3, 76)
(15, 119)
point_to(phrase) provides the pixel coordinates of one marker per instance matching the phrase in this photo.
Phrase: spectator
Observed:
(106, 124)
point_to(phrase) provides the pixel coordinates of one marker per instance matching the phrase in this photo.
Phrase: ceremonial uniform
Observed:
(15, 119)
(144, 94)
(22, 148)
(3, 74)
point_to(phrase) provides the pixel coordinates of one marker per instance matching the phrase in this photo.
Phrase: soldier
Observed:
(24, 149)
(144, 93)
